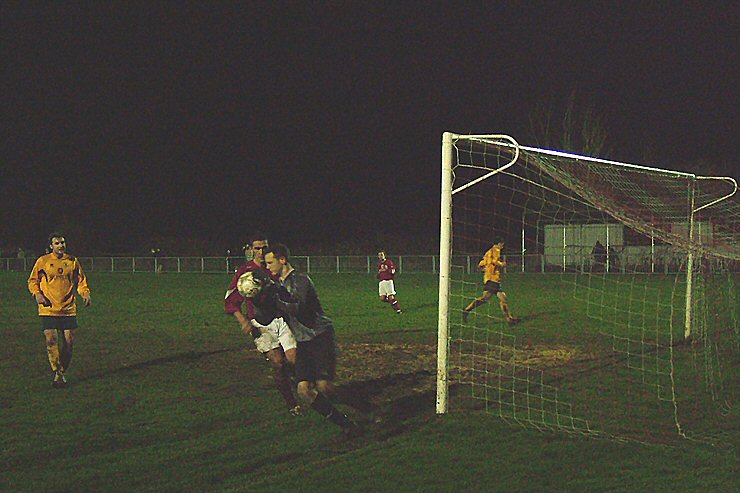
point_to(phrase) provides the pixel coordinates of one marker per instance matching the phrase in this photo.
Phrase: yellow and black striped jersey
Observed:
(492, 264)
(57, 278)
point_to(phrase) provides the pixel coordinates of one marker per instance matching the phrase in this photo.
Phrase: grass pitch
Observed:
(166, 394)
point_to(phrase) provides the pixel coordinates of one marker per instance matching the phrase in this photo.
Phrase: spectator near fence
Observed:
(613, 257)
(599, 255)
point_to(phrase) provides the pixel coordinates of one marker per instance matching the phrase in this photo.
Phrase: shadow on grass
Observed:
(398, 400)
(407, 331)
(534, 316)
(425, 305)
(187, 357)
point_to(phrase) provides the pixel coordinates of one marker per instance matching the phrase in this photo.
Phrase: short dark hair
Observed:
(55, 234)
(279, 250)
(256, 236)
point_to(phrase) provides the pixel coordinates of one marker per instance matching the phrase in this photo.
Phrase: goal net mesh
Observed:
(624, 283)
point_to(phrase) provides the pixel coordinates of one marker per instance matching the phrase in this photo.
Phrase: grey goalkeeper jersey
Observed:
(306, 318)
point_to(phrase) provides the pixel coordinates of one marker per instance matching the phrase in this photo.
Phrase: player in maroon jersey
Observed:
(386, 289)
(271, 334)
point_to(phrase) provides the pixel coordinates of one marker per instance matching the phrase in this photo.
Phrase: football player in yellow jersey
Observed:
(53, 280)
(491, 265)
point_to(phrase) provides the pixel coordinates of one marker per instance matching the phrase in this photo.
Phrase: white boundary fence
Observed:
(628, 262)
(310, 264)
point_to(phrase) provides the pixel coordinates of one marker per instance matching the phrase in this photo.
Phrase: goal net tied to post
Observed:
(623, 282)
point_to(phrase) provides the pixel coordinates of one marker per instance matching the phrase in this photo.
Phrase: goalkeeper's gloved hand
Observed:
(263, 277)
(258, 325)
(285, 301)
(284, 295)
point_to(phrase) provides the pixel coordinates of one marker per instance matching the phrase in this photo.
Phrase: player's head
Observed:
(381, 256)
(499, 245)
(57, 243)
(277, 258)
(257, 244)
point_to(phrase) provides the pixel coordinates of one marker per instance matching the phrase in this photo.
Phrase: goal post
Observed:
(612, 308)
(445, 250)
(689, 266)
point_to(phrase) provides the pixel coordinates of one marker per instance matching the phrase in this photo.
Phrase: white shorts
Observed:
(386, 288)
(277, 334)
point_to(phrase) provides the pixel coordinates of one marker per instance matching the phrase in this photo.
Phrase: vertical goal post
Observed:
(445, 253)
(445, 247)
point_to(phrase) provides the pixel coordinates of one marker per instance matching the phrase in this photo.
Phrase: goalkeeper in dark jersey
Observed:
(314, 331)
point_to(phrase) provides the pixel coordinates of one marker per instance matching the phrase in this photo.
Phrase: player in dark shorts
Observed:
(492, 266)
(53, 281)
(314, 331)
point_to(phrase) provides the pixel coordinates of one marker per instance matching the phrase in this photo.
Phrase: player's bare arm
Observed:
(243, 323)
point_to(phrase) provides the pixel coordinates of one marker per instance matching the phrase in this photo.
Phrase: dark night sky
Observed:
(201, 120)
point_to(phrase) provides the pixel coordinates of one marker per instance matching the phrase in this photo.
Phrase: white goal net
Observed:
(613, 307)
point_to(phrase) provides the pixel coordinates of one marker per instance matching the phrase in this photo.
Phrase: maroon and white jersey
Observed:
(233, 299)
(386, 270)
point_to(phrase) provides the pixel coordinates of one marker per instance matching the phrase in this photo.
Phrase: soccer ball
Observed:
(249, 285)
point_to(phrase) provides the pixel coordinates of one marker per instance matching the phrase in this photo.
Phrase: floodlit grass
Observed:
(166, 394)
